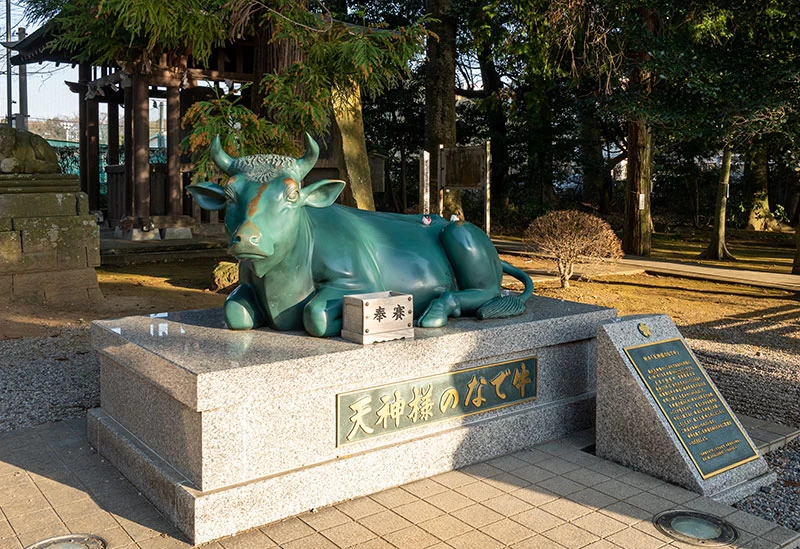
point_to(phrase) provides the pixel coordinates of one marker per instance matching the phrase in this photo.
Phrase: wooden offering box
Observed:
(378, 316)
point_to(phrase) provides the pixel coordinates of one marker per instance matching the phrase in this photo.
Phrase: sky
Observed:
(48, 96)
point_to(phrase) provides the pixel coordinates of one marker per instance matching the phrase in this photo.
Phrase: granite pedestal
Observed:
(658, 412)
(225, 431)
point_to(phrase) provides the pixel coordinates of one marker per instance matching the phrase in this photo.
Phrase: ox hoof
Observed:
(435, 316)
(241, 311)
(236, 322)
(239, 317)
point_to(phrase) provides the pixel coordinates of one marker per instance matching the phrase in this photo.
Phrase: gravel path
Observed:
(44, 379)
(756, 368)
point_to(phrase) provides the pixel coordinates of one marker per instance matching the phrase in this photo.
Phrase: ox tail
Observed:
(508, 305)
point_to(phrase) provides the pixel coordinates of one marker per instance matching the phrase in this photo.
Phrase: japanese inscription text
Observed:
(690, 402)
(381, 410)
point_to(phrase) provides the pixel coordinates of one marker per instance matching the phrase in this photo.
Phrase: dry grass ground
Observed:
(772, 252)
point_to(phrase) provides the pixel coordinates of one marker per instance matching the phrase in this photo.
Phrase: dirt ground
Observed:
(130, 290)
(159, 287)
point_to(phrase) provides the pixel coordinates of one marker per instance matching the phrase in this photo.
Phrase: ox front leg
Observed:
(322, 316)
(242, 311)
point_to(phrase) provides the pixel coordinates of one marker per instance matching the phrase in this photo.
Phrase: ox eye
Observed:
(230, 194)
(292, 194)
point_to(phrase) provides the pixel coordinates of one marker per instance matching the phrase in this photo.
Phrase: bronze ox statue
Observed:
(299, 253)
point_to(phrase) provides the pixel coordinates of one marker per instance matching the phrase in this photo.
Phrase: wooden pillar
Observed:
(113, 132)
(92, 161)
(84, 74)
(129, 150)
(141, 148)
(174, 190)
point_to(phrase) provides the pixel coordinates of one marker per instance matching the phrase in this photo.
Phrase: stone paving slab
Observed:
(549, 496)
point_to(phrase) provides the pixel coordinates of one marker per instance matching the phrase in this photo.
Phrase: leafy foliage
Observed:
(106, 32)
(240, 131)
(338, 58)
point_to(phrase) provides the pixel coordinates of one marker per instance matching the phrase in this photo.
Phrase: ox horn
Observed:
(309, 159)
(223, 161)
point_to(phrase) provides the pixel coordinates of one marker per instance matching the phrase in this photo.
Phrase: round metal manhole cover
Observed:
(696, 528)
(71, 541)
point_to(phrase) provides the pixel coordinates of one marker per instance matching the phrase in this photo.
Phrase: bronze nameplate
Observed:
(389, 408)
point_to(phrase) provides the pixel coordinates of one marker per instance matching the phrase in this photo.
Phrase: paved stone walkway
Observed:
(553, 495)
(764, 279)
(633, 264)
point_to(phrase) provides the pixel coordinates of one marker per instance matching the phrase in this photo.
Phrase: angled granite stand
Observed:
(225, 431)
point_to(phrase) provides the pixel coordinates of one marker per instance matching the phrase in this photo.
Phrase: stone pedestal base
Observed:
(658, 412)
(225, 431)
(137, 235)
(49, 243)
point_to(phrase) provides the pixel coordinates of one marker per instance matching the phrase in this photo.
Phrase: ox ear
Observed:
(322, 193)
(208, 196)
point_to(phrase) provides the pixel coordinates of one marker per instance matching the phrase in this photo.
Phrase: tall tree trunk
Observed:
(637, 222)
(717, 249)
(759, 218)
(440, 100)
(593, 163)
(636, 229)
(792, 204)
(496, 120)
(349, 120)
(540, 145)
(796, 264)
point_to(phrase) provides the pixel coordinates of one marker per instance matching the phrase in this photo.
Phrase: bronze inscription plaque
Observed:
(689, 400)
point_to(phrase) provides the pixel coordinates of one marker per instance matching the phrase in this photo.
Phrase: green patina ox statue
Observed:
(299, 253)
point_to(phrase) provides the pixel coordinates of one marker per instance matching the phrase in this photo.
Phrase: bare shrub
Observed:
(568, 236)
(225, 275)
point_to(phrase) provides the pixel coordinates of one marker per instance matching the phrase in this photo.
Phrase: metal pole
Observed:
(22, 119)
(8, 64)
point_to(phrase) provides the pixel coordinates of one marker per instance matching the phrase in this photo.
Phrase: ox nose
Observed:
(248, 241)
(253, 239)
(247, 233)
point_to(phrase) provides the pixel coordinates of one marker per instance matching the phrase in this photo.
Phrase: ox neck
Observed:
(290, 284)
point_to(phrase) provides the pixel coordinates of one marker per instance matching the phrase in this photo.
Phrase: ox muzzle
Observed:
(248, 242)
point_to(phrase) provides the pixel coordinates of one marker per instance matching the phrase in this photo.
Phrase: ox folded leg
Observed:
(478, 273)
(322, 316)
(242, 311)
(453, 304)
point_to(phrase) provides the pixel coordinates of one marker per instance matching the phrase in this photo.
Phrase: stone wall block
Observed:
(6, 286)
(6, 224)
(82, 203)
(93, 255)
(46, 287)
(59, 238)
(39, 204)
(30, 262)
(42, 222)
(40, 240)
(94, 293)
(71, 258)
(10, 247)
